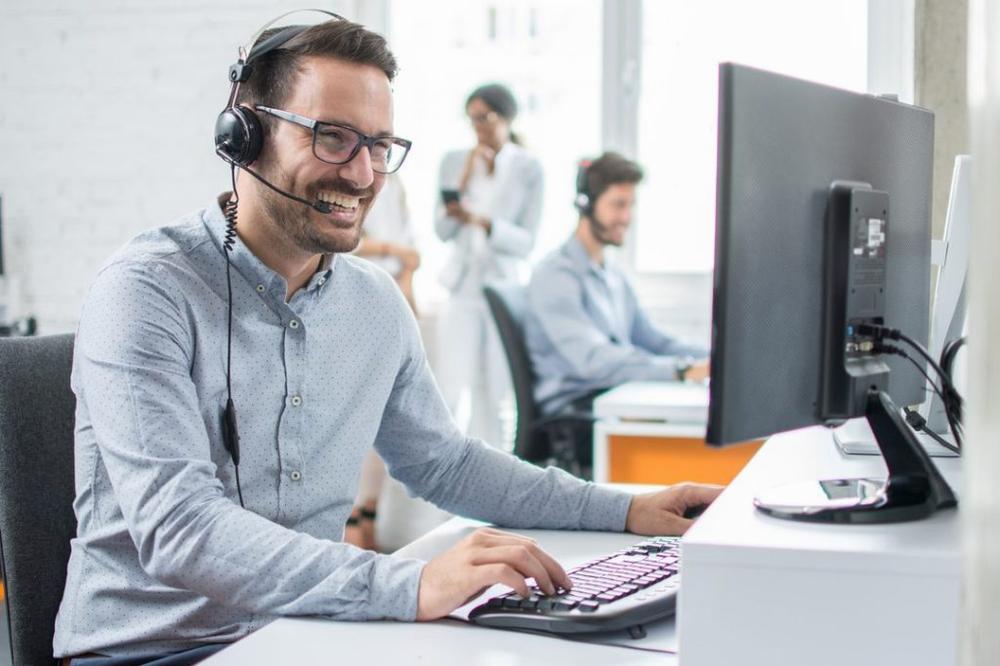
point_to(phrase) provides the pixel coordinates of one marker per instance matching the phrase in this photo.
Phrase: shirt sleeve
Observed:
(516, 236)
(646, 335)
(555, 302)
(424, 449)
(133, 370)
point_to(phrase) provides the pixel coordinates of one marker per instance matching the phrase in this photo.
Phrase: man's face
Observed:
(613, 214)
(331, 90)
(491, 129)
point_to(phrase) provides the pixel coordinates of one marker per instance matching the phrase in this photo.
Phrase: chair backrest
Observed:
(36, 487)
(508, 304)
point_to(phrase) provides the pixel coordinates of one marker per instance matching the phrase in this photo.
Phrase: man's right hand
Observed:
(484, 558)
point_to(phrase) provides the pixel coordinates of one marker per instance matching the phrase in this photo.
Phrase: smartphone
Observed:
(448, 196)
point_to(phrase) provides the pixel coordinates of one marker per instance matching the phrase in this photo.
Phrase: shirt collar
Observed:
(577, 253)
(265, 281)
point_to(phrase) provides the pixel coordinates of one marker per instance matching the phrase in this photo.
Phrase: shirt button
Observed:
(260, 289)
(296, 400)
(293, 323)
(295, 475)
(321, 281)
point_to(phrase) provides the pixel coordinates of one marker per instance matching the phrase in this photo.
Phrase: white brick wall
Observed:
(106, 116)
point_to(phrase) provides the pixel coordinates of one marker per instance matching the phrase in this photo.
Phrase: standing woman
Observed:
(491, 228)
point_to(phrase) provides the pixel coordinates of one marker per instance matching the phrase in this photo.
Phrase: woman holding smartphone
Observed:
(490, 208)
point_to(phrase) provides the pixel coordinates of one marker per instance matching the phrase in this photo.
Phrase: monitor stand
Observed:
(854, 438)
(913, 490)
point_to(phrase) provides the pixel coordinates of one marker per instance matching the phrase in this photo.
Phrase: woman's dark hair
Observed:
(500, 100)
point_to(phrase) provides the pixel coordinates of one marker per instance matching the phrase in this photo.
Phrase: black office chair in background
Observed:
(36, 487)
(558, 439)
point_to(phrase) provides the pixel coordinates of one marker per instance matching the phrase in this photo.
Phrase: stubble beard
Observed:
(295, 220)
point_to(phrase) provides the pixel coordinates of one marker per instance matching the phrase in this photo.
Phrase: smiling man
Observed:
(585, 329)
(189, 538)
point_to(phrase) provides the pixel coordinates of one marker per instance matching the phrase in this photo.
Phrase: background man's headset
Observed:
(239, 138)
(583, 202)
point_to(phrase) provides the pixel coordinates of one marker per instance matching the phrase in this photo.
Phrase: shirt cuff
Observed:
(394, 588)
(606, 509)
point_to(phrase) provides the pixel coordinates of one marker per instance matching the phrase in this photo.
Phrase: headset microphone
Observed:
(320, 206)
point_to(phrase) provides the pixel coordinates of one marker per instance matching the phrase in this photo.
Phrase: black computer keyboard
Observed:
(624, 590)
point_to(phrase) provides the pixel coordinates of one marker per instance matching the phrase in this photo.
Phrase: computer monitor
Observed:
(948, 320)
(822, 226)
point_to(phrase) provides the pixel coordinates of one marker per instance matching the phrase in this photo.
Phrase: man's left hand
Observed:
(662, 513)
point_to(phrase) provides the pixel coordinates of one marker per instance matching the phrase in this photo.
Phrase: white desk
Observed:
(305, 641)
(647, 409)
(784, 592)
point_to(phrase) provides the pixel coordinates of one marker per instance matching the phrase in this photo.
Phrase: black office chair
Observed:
(36, 487)
(556, 439)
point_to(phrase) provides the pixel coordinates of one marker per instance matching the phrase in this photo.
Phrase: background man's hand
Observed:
(484, 558)
(698, 372)
(662, 513)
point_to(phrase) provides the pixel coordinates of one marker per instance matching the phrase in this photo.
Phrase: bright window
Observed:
(683, 43)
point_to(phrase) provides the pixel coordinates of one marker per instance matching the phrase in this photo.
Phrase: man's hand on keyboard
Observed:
(662, 513)
(484, 558)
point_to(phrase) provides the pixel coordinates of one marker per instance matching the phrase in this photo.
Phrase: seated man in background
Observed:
(585, 330)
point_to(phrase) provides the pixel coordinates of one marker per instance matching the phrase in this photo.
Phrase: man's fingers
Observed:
(556, 571)
(522, 560)
(701, 494)
(679, 526)
(491, 574)
(497, 538)
(488, 537)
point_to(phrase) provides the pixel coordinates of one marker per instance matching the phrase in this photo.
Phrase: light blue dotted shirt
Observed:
(164, 557)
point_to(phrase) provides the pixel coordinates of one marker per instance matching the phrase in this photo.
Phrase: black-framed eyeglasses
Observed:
(339, 144)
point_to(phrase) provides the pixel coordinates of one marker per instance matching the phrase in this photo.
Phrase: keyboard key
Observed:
(512, 602)
(588, 606)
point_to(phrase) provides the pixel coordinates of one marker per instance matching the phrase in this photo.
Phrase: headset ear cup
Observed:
(582, 201)
(239, 135)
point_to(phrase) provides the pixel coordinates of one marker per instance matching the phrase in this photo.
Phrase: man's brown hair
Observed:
(274, 74)
(610, 169)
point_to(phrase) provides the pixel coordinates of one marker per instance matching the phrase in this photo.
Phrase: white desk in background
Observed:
(654, 432)
(757, 591)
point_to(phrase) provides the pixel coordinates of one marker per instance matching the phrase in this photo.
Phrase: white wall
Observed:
(106, 116)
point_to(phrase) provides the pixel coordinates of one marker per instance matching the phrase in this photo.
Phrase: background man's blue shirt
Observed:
(585, 330)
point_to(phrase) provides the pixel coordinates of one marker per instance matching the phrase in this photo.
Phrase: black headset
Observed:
(239, 135)
(583, 202)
